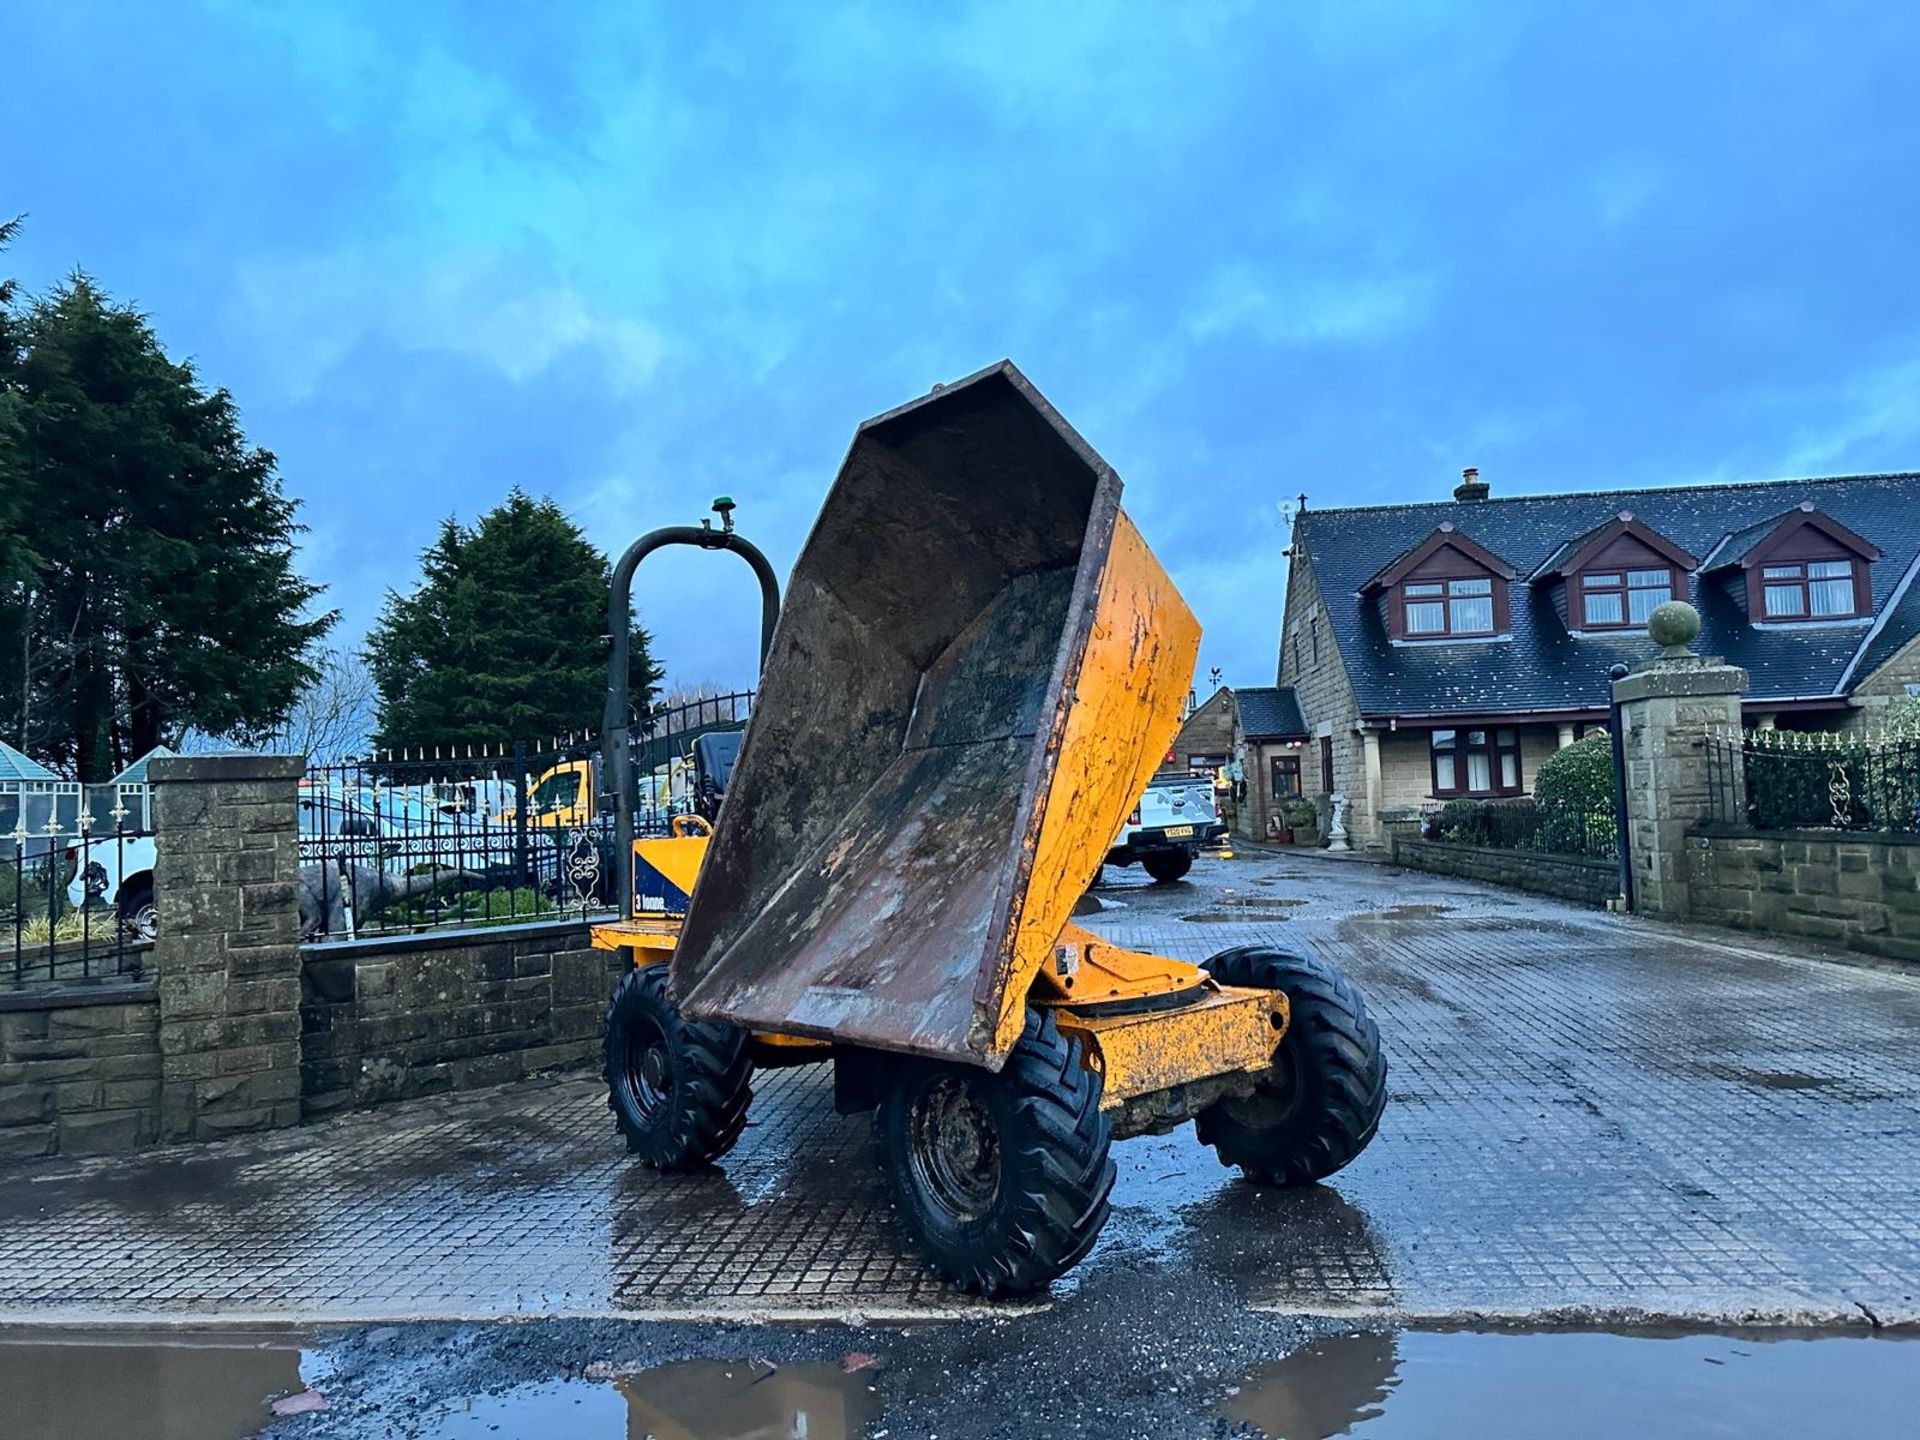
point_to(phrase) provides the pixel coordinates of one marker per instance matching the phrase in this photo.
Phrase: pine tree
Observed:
(504, 637)
(162, 594)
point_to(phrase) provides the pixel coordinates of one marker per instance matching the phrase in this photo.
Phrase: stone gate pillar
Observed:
(228, 953)
(1668, 706)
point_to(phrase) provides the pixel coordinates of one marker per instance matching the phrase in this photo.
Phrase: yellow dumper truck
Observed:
(978, 666)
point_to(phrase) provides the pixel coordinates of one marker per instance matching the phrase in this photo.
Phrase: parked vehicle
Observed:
(1175, 817)
(116, 871)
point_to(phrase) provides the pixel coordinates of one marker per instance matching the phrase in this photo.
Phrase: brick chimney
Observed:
(1471, 486)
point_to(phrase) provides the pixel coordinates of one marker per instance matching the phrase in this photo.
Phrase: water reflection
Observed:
(688, 1400)
(1465, 1386)
(86, 1388)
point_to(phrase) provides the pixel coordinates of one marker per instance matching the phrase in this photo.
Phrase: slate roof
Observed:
(15, 766)
(1542, 667)
(1269, 712)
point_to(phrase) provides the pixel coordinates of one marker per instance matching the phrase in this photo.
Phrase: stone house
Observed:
(1446, 649)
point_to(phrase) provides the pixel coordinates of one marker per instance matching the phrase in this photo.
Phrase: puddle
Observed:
(1438, 1386)
(1238, 908)
(1405, 912)
(689, 1400)
(89, 1387)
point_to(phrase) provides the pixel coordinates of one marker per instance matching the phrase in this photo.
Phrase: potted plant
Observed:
(1303, 820)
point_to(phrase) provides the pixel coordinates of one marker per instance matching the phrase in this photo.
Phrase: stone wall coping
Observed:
(210, 769)
(400, 944)
(78, 997)
(1499, 852)
(1729, 830)
(1666, 679)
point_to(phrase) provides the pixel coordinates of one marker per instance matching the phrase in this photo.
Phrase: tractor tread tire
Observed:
(1056, 1179)
(712, 1078)
(1341, 1067)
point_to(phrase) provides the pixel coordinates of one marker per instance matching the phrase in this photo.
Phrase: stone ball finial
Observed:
(1673, 627)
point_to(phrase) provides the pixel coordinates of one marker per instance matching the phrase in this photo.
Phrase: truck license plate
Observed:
(1178, 832)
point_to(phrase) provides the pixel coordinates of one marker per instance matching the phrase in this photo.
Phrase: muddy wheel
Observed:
(1321, 1102)
(1166, 866)
(678, 1088)
(1003, 1179)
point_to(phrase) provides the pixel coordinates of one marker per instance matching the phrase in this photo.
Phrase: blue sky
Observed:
(633, 255)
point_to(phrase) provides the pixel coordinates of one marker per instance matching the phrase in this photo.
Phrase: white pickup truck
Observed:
(1174, 818)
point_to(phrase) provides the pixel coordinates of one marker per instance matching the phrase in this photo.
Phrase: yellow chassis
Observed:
(1151, 1026)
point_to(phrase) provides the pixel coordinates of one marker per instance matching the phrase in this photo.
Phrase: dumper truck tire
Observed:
(1167, 866)
(1321, 1102)
(1004, 1179)
(678, 1088)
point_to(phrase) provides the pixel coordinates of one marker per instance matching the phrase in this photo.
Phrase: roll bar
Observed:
(616, 731)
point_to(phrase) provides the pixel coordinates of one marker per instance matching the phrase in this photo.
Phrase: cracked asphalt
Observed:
(1591, 1118)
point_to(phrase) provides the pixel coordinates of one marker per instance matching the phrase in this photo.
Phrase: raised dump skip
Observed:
(977, 667)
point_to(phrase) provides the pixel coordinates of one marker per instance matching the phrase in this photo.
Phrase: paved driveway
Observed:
(1589, 1116)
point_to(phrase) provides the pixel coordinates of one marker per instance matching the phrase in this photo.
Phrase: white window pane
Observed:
(1600, 581)
(1442, 739)
(1648, 577)
(1504, 737)
(1427, 617)
(1829, 569)
(1434, 589)
(1642, 603)
(1509, 770)
(1476, 737)
(1479, 771)
(1832, 597)
(1472, 617)
(1779, 572)
(1784, 600)
(1443, 772)
(1603, 609)
(1469, 587)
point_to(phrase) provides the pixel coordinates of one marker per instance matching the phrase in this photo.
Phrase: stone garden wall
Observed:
(1857, 890)
(391, 1018)
(1571, 877)
(79, 1070)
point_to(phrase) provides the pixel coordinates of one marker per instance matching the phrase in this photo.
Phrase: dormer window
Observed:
(1615, 598)
(1449, 607)
(1445, 588)
(1798, 568)
(1815, 590)
(1614, 576)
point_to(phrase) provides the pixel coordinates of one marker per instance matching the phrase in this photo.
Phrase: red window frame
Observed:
(1797, 576)
(1497, 743)
(1622, 588)
(1438, 590)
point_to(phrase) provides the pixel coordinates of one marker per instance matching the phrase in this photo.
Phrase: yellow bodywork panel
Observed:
(650, 937)
(1087, 970)
(1227, 1031)
(678, 859)
(1125, 711)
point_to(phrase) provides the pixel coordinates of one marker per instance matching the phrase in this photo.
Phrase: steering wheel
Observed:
(683, 827)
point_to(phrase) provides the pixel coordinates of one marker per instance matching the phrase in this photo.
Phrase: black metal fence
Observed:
(77, 901)
(1526, 824)
(460, 836)
(1800, 780)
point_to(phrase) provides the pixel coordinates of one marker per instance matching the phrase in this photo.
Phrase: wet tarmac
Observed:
(1592, 1120)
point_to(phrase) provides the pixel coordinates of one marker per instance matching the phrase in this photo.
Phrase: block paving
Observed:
(1590, 1117)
